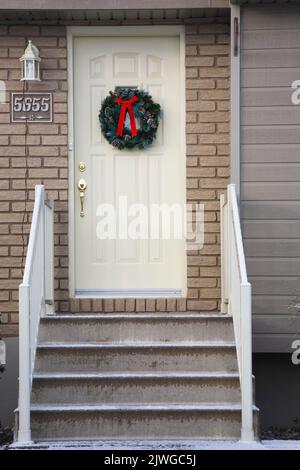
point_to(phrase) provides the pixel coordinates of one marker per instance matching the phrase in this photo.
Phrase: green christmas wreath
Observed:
(129, 118)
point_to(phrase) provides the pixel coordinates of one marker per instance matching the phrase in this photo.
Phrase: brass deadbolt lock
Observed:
(81, 166)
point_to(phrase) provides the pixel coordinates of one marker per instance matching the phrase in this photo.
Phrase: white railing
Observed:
(236, 301)
(35, 300)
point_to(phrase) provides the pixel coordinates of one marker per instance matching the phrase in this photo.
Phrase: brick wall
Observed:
(207, 92)
(47, 162)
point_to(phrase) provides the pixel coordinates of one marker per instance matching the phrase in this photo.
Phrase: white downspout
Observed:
(235, 97)
(247, 434)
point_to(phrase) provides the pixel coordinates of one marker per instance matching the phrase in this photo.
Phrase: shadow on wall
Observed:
(277, 390)
(9, 382)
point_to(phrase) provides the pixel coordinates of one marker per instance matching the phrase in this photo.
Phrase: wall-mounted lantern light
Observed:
(30, 62)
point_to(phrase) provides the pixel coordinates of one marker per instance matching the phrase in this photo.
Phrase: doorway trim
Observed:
(136, 30)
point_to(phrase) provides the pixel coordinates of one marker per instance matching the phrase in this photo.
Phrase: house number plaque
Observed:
(31, 107)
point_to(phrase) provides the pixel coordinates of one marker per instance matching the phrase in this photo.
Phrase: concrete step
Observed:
(136, 421)
(136, 376)
(198, 356)
(136, 327)
(136, 387)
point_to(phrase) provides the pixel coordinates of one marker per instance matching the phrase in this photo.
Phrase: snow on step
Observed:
(140, 387)
(147, 375)
(132, 421)
(100, 357)
(136, 327)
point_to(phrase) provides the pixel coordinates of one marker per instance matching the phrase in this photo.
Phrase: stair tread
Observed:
(141, 315)
(136, 344)
(141, 374)
(138, 407)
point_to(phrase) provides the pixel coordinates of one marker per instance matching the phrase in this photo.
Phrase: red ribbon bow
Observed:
(126, 106)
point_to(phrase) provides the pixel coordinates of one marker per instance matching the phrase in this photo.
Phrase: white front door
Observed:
(125, 267)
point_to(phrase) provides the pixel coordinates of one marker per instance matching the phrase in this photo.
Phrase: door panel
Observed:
(156, 175)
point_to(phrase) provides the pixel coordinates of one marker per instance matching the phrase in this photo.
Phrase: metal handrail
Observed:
(35, 300)
(236, 301)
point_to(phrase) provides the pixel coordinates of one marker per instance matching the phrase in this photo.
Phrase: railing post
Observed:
(228, 237)
(49, 258)
(247, 432)
(224, 254)
(24, 434)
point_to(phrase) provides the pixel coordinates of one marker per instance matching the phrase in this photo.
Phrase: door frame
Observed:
(137, 30)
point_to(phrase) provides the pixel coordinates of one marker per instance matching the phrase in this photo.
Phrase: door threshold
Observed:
(127, 293)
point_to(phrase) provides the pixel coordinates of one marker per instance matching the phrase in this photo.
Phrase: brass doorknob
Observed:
(81, 187)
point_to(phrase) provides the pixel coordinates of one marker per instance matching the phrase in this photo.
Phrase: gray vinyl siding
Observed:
(270, 170)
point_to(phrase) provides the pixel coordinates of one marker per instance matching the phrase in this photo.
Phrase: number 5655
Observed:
(31, 104)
